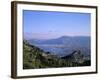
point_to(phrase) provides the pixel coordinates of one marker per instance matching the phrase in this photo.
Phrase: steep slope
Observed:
(34, 57)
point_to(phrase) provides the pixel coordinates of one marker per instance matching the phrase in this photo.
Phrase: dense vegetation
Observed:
(34, 57)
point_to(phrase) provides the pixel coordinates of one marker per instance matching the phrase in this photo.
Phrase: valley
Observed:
(35, 57)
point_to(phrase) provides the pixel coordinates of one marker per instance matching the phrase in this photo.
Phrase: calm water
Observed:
(59, 50)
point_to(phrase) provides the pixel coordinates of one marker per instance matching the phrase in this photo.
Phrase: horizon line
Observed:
(59, 37)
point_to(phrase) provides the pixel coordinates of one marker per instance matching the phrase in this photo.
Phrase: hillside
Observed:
(34, 57)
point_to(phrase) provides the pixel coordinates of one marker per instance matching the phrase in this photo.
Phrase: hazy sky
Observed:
(46, 25)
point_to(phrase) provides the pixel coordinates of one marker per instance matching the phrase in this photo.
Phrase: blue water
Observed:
(60, 51)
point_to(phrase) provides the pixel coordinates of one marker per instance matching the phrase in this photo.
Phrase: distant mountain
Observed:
(62, 40)
(34, 57)
(64, 45)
